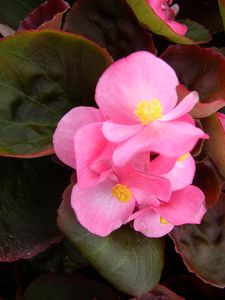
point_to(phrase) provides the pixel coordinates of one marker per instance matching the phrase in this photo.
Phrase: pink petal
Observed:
(147, 221)
(93, 155)
(182, 108)
(182, 174)
(171, 139)
(168, 15)
(140, 76)
(98, 211)
(221, 117)
(147, 188)
(118, 133)
(63, 138)
(162, 164)
(185, 206)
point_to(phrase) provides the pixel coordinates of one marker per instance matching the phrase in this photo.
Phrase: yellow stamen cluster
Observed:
(121, 192)
(148, 111)
(183, 157)
(163, 221)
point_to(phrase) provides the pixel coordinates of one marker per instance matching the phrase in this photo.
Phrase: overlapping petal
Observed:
(93, 155)
(63, 139)
(171, 139)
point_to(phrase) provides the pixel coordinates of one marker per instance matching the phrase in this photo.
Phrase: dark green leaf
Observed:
(127, 259)
(110, 24)
(43, 75)
(13, 11)
(68, 287)
(202, 246)
(30, 195)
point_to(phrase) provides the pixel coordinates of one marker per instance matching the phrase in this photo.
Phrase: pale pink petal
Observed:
(182, 108)
(221, 117)
(98, 211)
(118, 133)
(185, 206)
(182, 174)
(171, 139)
(162, 164)
(147, 221)
(93, 155)
(139, 77)
(146, 187)
(63, 138)
(168, 14)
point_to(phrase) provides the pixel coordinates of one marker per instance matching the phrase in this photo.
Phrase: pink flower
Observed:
(138, 96)
(186, 206)
(167, 12)
(221, 117)
(106, 206)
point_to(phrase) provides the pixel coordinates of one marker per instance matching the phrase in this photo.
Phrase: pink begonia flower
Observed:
(137, 95)
(167, 12)
(186, 206)
(106, 206)
(63, 138)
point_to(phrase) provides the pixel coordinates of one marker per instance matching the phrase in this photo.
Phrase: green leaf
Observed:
(222, 10)
(127, 259)
(145, 14)
(30, 195)
(68, 287)
(110, 24)
(13, 11)
(43, 75)
(202, 246)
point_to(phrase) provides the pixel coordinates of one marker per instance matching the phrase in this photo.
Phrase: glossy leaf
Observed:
(48, 15)
(43, 75)
(127, 259)
(110, 24)
(12, 12)
(202, 70)
(202, 246)
(146, 15)
(30, 195)
(208, 180)
(215, 146)
(68, 287)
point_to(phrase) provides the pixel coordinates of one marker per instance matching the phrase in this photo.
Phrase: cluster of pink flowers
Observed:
(132, 154)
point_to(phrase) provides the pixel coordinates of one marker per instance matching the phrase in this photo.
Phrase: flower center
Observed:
(163, 221)
(183, 157)
(148, 111)
(121, 192)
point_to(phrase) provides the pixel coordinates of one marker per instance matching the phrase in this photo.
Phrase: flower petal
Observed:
(185, 206)
(98, 211)
(140, 76)
(182, 108)
(118, 133)
(147, 221)
(182, 174)
(171, 139)
(162, 164)
(63, 138)
(93, 155)
(147, 188)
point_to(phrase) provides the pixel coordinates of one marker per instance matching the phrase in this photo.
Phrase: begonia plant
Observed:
(112, 145)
